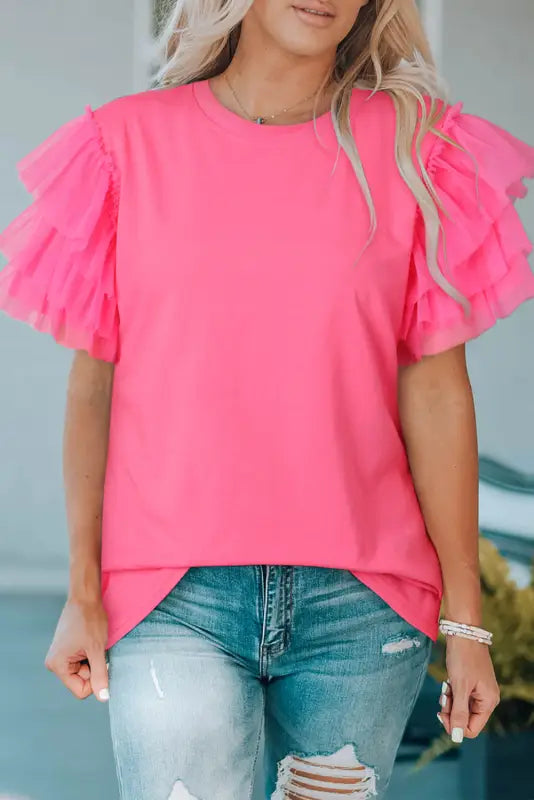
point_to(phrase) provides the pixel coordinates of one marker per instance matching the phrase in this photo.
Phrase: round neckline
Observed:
(221, 115)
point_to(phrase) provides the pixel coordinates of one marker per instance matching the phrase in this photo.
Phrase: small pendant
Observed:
(259, 120)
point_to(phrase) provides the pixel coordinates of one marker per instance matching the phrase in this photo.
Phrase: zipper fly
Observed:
(265, 574)
(277, 613)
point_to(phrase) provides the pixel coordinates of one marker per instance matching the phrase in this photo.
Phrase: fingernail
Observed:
(444, 687)
(104, 694)
(438, 715)
(107, 665)
(457, 735)
(443, 700)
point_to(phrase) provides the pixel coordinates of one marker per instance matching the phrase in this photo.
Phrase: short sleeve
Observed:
(486, 245)
(60, 275)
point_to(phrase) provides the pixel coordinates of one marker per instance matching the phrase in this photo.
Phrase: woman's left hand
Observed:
(472, 691)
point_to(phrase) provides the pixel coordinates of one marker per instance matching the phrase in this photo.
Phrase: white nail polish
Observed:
(457, 735)
(443, 700)
(104, 694)
(444, 687)
(438, 715)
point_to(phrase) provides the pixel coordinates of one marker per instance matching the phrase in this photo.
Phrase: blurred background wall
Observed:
(56, 56)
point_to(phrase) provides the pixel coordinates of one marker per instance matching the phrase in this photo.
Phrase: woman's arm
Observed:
(438, 422)
(85, 443)
(81, 632)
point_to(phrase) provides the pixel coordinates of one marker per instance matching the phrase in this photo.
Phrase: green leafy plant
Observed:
(508, 611)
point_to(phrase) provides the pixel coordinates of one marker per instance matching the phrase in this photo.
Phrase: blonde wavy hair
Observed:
(386, 51)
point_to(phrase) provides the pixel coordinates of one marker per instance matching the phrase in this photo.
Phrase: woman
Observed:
(268, 267)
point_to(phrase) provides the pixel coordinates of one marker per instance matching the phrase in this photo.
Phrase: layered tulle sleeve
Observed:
(483, 246)
(60, 275)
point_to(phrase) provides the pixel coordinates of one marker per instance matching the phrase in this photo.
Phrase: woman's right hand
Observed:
(80, 637)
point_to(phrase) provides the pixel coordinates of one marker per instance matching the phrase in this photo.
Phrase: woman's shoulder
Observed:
(376, 115)
(140, 108)
(381, 121)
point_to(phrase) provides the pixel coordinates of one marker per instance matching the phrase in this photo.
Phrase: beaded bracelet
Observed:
(450, 628)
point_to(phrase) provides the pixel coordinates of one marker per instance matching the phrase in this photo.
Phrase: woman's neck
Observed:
(261, 99)
(267, 83)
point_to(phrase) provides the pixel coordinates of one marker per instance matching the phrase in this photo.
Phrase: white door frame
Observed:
(142, 36)
(432, 14)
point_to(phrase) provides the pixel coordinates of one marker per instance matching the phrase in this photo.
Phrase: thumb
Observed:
(99, 674)
(459, 717)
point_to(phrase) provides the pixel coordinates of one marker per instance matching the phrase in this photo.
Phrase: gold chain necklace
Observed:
(261, 120)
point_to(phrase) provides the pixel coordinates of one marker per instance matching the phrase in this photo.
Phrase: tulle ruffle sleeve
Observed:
(60, 276)
(486, 245)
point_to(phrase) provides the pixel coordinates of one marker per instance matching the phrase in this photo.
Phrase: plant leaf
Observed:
(438, 747)
(518, 691)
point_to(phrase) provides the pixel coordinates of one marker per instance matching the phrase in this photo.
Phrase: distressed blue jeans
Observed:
(305, 661)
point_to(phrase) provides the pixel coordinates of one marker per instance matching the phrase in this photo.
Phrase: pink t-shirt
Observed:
(221, 265)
